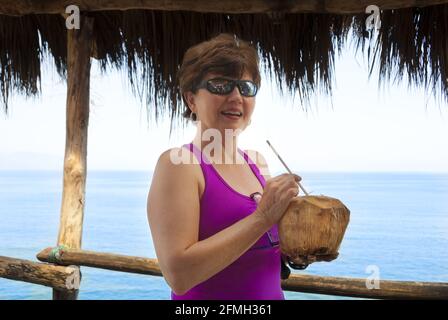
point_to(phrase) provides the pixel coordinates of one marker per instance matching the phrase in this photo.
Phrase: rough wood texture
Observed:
(77, 120)
(104, 260)
(300, 283)
(79, 48)
(357, 288)
(312, 229)
(22, 7)
(59, 277)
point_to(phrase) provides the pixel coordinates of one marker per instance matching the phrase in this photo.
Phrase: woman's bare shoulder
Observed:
(175, 159)
(177, 166)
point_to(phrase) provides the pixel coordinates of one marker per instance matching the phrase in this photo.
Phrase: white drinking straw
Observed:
(283, 162)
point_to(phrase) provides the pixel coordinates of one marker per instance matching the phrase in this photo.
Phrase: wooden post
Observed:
(77, 120)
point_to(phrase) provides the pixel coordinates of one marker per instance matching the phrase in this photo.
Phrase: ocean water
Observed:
(399, 225)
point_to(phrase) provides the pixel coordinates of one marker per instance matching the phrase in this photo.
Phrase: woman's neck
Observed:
(219, 149)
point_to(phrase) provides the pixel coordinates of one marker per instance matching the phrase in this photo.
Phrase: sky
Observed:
(362, 128)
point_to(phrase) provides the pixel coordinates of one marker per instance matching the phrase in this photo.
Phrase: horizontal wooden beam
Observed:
(23, 7)
(300, 283)
(102, 260)
(58, 277)
(352, 287)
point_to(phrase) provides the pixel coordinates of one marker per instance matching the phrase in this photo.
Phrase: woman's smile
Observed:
(231, 116)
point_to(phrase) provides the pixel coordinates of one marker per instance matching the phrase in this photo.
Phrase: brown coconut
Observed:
(312, 229)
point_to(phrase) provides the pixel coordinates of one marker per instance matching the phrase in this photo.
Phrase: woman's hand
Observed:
(277, 194)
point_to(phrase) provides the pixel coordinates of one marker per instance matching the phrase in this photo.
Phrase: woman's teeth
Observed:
(231, 113)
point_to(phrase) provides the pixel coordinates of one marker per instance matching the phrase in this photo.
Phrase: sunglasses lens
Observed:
(220, 86)
(225, 86)
(248, 88)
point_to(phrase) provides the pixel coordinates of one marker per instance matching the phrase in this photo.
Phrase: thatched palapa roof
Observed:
(297, 41)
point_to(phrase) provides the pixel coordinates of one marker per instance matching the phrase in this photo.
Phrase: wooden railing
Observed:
(65, 275)
(65, 278)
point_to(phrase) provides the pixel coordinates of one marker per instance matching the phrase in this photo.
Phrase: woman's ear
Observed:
(189, 100)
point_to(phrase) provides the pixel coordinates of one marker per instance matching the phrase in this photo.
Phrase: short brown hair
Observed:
(225, 55)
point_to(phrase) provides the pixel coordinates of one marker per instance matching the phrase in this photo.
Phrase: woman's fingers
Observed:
(279, 187)
(290, 182)
(278, 193)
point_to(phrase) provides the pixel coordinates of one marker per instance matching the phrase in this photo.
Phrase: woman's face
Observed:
(209, 107)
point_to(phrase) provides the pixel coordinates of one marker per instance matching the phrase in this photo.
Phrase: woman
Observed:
(214, 223)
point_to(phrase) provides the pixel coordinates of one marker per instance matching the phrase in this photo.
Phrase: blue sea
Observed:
(399, 225)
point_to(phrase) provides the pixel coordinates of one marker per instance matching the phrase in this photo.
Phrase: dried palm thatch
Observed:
(411, 43)
(296, 49)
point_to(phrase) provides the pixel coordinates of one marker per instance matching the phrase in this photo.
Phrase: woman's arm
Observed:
(173, 215)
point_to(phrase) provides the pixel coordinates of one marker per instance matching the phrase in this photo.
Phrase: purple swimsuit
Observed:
(256, 274)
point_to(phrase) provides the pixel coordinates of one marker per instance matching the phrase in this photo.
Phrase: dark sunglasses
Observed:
(223, 86)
